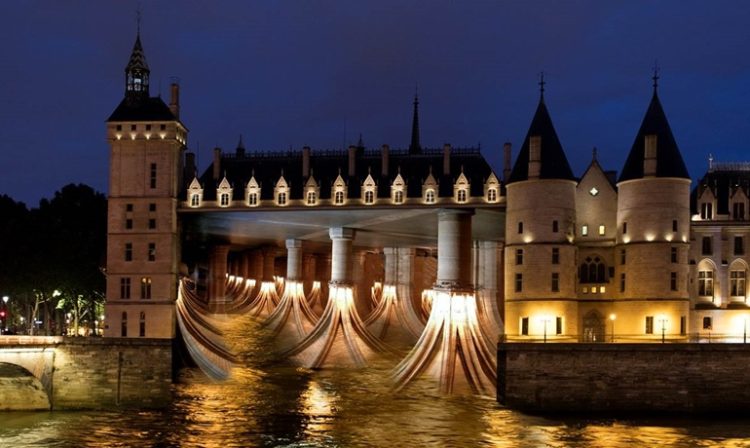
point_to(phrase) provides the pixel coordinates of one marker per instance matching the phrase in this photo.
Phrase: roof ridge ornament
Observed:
(655, 77)
(541, 86)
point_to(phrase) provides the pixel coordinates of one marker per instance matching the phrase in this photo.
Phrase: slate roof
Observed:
(148, 109)
(669, 161)
(137, 57)
(326, 166)
(554, 164)
(723, 181)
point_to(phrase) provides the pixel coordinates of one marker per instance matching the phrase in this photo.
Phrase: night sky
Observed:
(287, 74)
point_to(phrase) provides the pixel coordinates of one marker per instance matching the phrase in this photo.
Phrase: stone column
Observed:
(248, 264)
(390, 266)
(257, 265)
(454, 249)
(269, 263)
(217, 273)
(293, 260)
(241, 265)
(341, 255)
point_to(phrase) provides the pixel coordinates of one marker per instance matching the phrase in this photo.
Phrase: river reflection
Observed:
(269, 404)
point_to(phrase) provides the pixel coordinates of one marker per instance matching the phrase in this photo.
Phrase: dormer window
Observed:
(252, 199)
(224, 193)
(281, 198)
(195, 193)
(312, 191)
(338, 198)
(429, 189)
(368, 190)
(224, 199)
(252, 192)
(339, 191)
(429, 197)
(707, 210)
(461, 196)
(492, 195)
(311, 198)
(398, 197)
(398, 188)
(492, 188)
(195, 200)
(461, 189)
(369, 197)
(282, 191)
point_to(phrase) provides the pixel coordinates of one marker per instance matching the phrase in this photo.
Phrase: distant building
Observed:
(634, 258)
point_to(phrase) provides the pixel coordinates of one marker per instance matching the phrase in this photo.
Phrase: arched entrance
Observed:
(20, 390)
(593, 327)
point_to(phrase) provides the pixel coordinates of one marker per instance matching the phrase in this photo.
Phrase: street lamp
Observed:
(744, 332)
(4, 315)
(663, 321)
(612, 318)
(545, 319)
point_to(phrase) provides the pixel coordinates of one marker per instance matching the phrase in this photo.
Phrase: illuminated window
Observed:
(706, 283)
(151, 251)
(128, 251)
(673, 281)
(338, 198)
(145, 287)
(398, 197)
(519, 256)
(311, 198)
(429, 196)
(555, 282)
(649, 324)
(281, 199)
(555, 226)
(142, 325)
(706, 245)
(525, 326)
(224, 199)
(555, 255)
(602, 289)
(252, 199)
(195, 200)
(491, 195)
(125, 288)
(369, 197)
(593, 191)
(124, 324)
(739, 246)
(737, 283)
(584, 230)
(707, 210)
(153, 176)
(519, 282)
(461, 196)
(602, 229)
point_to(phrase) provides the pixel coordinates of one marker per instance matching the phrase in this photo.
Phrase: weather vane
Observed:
(541, 83)
(656, 75)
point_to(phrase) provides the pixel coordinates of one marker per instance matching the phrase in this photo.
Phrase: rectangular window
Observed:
(525, 326)
(674, 225)
(519, 282)
(649, 324)
(119, 127)
(622, 282)
(132, 127)
(125, 288)
(128, 207)
(555, 226)
(152, 207)
(555, 255)
(683, 325)
(148, 127)
(707, 323)
(128, 251)
(673, 254)
(707, 210)
(555, 282)
(584, 230)
(152, 223)
(519, 257)
(738, 211)
(520, 227)
(163, 127)
(707, 246)
(706, 283)
(124, 325)
(673, 281)
(622, 256)
(739, 245)
(602, 229)
(128, 223)
(145, 287)
(151, 251)
(558, 325)
(737, 283)
(624, 228)
(153, 176)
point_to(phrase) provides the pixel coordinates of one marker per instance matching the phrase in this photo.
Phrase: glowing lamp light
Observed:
(668, 237)
(528, 239)
(119, 136)
(148, 136)
(650, 237)
(612, 317)
(162, 135)
(132, 136)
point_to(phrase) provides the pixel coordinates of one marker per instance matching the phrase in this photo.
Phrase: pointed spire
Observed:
(137, 71)
(415, 147)
(241, 144)
(360, 142)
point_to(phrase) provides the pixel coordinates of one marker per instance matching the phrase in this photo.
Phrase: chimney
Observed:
(649, 156)
(352, 160)
(506, 161)
(217, 163)
(535, 156)
(446, 159)
(190, 168)
(385, 153)
(174, 100)
(305, 162)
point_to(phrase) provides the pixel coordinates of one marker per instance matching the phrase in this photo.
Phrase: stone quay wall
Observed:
(104, 373)
(624, 378)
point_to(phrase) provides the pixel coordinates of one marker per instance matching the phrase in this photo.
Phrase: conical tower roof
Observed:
(669, 161)
(554, 164)
(137, 57)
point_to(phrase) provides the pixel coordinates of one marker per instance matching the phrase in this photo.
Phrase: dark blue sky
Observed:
(288, 73)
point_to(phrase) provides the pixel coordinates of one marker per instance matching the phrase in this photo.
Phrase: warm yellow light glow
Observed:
(148, 136)
(132, 136)
(528, 238)
(119, 136)
(668, 237)
(626, 239)
(162, 135)
(602, 289)
(612, 316)
(650, 237)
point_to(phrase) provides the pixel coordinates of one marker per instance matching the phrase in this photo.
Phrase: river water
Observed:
(267, 403)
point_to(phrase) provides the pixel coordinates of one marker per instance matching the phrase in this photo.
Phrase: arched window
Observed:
(592, 270)
(398, 197)
(142, 325)
(429, 196)
(195, 200)
(369, 197)
(124, 325)
(311, 199)
(252, 199)
(338, 198)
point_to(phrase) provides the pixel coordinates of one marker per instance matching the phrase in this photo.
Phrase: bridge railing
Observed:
(30, 340)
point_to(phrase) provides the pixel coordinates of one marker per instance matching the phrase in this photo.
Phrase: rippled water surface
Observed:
(268, 404)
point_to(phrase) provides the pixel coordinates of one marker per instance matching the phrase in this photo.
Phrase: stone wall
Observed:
(109, 372)
(671, 378)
